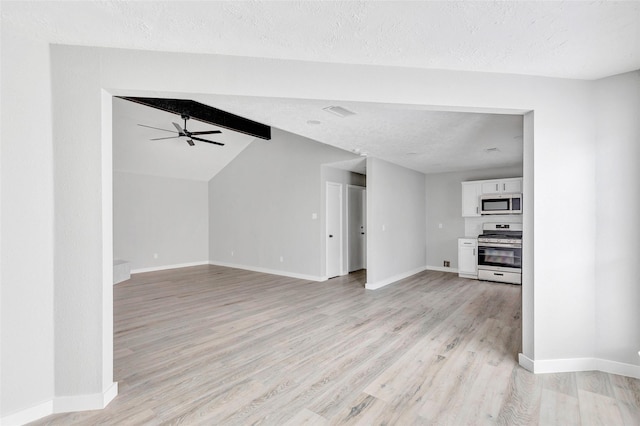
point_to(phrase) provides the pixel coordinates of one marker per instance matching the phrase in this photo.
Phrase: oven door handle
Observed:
(499, 245)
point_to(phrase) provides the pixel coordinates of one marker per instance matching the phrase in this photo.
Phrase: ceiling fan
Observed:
(183, 132)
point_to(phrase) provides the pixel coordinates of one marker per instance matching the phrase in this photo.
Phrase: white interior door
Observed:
(356, 227)
(334, 229)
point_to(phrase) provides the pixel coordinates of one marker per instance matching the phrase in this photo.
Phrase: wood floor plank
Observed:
(626, 389)
(363, 410)
(521, 405)
(211, 345)
(559, 408)
(599, 409)
(306, 418)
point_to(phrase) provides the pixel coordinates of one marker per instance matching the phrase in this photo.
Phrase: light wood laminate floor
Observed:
(212, 345)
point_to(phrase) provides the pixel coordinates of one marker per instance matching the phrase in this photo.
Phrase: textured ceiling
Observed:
(572, 39)
(413, 137)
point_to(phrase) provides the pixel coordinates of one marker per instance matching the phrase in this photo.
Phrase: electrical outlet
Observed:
(232, 253)
(155, 255)
(447, 263)
(281, 259)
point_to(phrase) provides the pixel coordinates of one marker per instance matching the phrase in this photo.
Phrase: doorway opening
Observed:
(345, 226)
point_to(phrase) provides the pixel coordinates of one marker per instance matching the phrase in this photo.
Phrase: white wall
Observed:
(26, 245)
(562, 156)
(395, 222)
(159, 215)
(261, 206)
(83, 312)
(617, 213)
(444, 206)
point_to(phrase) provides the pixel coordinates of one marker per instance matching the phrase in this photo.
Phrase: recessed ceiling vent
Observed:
(339, 111)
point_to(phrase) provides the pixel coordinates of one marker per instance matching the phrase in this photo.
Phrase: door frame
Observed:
(340, 230)
(363, 189)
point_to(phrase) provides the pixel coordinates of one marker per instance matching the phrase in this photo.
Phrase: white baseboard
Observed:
(121, 271)
(525, 362)
(165, 267)
(569, 365)
(379, 284)
(269, 271)
(28, 415)
(96, 401)
(441, 269)
(620, 368)
(62, 404)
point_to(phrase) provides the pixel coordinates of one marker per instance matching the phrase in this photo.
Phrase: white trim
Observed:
(28, 415)
(96, 401)
(269, 271)
(564, 365)
(165, 267)
(441, 269)
(63, 404)
(121, 271)
(525, 362)
(620, 368)
(469, 276)
(363, 189)
(390, 280)
(569, 365)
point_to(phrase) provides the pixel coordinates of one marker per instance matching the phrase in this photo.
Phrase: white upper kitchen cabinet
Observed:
(502, 186)
(471, 198)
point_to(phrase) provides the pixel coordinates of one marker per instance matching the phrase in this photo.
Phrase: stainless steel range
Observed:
(500, 253)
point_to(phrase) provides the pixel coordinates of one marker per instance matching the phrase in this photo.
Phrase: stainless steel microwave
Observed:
(501, 204)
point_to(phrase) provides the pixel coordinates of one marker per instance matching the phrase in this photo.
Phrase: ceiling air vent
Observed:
(339, 111)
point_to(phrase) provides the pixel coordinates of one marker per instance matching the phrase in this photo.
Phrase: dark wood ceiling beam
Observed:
(207, 114)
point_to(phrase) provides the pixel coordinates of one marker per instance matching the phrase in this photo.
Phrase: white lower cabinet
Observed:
(468, 257)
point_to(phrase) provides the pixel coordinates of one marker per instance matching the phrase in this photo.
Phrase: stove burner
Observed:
(511, 237)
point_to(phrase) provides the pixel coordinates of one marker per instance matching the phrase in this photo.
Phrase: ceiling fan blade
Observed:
(190, 142)
(204, 140)
(180, 131)
(157, 128)
(206, 132)
(159, 139)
